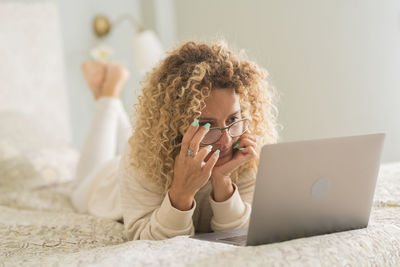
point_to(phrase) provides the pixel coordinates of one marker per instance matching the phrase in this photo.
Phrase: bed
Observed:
(39, 227)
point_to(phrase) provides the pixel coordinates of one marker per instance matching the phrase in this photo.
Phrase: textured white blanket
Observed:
(39, 227)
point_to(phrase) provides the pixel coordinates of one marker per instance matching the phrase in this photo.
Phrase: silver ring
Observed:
(190, 153)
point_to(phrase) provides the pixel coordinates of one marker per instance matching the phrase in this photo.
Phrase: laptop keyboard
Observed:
(236, 239)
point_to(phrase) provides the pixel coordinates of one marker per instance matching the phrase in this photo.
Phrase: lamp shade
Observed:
(147, 51)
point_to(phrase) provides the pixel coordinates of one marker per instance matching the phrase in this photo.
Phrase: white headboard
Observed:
(32, 71)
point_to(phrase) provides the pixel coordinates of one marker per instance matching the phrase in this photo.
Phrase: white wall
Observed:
(78, 38)
(336, 63)
(76, 18)
(76, 22)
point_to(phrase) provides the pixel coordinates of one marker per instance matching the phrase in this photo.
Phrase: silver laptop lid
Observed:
(314, 187)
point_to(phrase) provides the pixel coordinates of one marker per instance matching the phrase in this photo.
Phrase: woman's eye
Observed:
(213, 125)
(233, 119)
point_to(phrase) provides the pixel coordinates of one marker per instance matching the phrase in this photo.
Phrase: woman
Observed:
(190, 164)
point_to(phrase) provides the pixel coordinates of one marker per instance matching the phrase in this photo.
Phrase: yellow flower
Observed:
(101, 52)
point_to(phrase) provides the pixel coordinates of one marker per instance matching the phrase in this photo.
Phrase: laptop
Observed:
(308, 188)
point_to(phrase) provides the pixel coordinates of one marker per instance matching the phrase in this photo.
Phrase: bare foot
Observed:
(94, 72)
(115, 78)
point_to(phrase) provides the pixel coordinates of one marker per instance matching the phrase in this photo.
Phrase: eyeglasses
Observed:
(234, 130)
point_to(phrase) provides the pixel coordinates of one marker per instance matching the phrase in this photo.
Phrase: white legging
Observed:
(108, 133)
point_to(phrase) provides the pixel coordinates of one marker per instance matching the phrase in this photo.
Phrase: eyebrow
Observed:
(213, 119)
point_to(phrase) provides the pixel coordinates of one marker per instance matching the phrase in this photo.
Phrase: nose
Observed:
(225, 139)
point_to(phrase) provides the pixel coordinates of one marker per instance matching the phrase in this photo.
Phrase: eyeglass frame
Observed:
(227, 128)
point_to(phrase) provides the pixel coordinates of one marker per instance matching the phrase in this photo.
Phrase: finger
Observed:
(203, 152)
(209, 165)
(198, 136)
(245, 143)
(243, 137)
(246, 155)
(249, 136)
(187, 137)
(248, 152)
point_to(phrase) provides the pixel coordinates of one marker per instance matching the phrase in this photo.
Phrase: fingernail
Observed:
(236, 145)
(241, 148)
(207, 125)
(217, 151)
(209, 147)
(195, 122)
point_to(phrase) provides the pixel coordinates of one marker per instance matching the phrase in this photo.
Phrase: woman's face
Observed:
(222, 109)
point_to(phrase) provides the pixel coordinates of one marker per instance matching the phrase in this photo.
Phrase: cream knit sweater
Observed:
(119, 192)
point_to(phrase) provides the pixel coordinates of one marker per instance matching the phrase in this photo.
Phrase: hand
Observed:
(220, 177)
(191, 173)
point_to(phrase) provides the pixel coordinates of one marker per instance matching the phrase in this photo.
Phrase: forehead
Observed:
(221, 102)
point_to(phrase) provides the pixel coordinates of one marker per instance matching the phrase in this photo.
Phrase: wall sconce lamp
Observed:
(147, 48)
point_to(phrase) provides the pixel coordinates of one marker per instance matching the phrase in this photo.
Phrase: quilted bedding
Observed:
(39, 227)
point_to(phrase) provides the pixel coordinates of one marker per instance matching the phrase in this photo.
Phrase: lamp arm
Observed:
(102, 25)
(135, 23)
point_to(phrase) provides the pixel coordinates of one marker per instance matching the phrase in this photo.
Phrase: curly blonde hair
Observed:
(174, 93)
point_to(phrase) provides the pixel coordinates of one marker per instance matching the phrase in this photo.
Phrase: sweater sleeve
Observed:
(234, 213)
(148, 215)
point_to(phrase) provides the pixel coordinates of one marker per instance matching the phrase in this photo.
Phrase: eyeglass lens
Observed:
(235, 130)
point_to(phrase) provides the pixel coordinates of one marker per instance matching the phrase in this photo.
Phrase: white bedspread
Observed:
(39, 227)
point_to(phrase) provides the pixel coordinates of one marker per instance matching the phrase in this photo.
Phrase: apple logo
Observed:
(320, 188)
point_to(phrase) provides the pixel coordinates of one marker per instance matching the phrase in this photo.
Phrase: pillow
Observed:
(30, 156)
